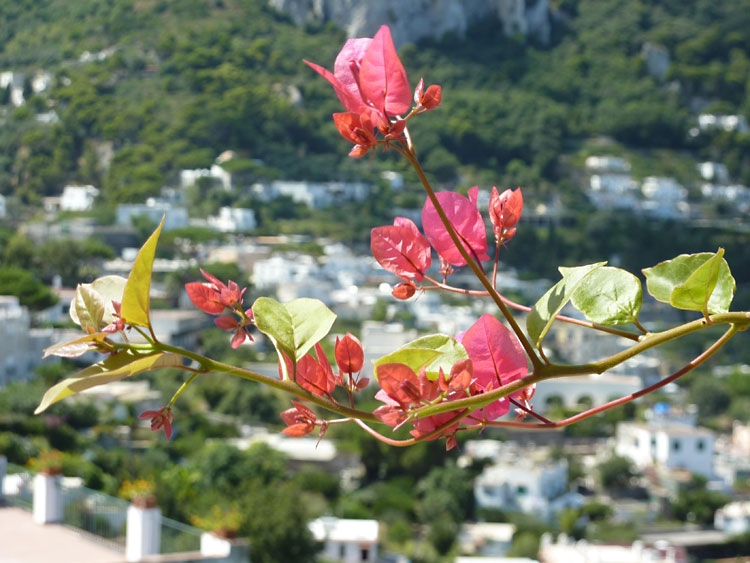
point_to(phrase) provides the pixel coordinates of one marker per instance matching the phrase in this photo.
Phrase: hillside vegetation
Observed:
(181, 81)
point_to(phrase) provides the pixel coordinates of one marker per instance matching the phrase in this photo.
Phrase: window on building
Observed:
(364, 554)
(700, 445)
(522, 490)
(653, 441)
(342, 551)
(676, 446)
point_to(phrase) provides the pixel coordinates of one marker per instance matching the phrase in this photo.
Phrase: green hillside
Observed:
(187, 79)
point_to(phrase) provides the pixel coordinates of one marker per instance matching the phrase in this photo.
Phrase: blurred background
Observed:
(626, 125)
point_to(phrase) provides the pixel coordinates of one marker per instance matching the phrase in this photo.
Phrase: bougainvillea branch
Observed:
(439, 384)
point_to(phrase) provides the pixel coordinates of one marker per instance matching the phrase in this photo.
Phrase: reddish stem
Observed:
(626, 399)
(527, 410)
(411, 441)
(524, 308)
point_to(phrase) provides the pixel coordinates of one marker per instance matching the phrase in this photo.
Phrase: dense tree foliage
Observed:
(177, 83)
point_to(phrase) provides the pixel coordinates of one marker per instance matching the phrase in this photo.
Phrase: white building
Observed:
(154, 209)
(178, 328)
(608, 164)
(21, 347)
(345, 540)
(714, 172)
(14, 81)
(735, 194)
(233, 220)
(666, 198)
(3, 207)
(379, 339)
(525, 483)
(667, 446)
(313, 194)
(709, 121)
(78, 198)
(613, 190)
(572, 391)
(395, 179)
(216, 173)
(486, 539)
(566, 550)
(41, 81)
(280, 270)
(733, 518)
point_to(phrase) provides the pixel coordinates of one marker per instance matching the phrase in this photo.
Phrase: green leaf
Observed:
(434, 352)
(609, 296)
(663, 279)
(543, 314)
(119, 366)
(293, 327)
(696, 291)
(135, 299)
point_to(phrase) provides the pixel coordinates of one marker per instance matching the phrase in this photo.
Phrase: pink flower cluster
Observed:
(371, 84)
(496, 358)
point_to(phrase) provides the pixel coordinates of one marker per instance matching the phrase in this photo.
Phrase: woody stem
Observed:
(476, 268)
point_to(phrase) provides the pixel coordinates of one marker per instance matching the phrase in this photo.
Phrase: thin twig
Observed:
(524, 308)
(710, 351)
(411, 441)
(529, 411)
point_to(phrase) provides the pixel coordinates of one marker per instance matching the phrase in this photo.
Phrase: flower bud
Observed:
(505, 211)
(430, 98)
(404, 290)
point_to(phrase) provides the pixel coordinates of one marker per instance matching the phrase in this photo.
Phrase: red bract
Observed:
(316, 375)
(497, 358)
(466, 220)
(215, 296)
(400, 383)
(357, 129)
(403, 390)
(350, 356)
(300, 420)
(241, 331)
(160, 419)
(505, 211)
(401, 249)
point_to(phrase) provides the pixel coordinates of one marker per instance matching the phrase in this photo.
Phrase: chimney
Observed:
(143, 533)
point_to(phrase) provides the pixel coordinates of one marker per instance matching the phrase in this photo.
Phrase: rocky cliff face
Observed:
(411, 20)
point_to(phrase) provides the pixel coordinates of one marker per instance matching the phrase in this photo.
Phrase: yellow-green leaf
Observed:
(292, 327)
(433, 352)
(87, 308)
(119, 366)
(665, 277)
(135, 300)
(103, 291)
(609, 296)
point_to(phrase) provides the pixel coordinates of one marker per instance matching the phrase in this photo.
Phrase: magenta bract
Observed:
(466, 220)
(497, 358)
(401, 249)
